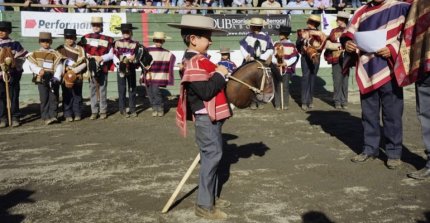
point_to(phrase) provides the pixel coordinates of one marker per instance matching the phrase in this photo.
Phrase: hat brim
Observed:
(62, 34)
(179, 26)
(225, 52)
(12, 27)
(314, 20)
(342, 17)
(153, 37)
(132, 28)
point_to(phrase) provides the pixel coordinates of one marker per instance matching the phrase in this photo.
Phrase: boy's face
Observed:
(45, 43)
(341, 22)
(69, 40)
(225, 56)
(202, 42)
(256, 29)
(4, 34)
(282, 36)
(158, 42)
(97, 27)
(126, 34)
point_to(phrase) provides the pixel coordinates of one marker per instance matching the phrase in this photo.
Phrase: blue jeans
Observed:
(356, 3)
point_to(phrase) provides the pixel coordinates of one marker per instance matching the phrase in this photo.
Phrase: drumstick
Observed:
(181, 184)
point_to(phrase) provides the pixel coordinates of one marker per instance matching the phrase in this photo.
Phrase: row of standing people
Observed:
(90, 58)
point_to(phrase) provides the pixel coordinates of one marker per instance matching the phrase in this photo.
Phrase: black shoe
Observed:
(422, 174)
(362, 157)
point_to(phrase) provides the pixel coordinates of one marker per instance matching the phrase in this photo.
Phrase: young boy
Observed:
(46, 66)
(15, 74)
(75, 65)
(98, 48)
(160, 73)
(202, 91)
(124, 59)
(225, 60)
(286, 61)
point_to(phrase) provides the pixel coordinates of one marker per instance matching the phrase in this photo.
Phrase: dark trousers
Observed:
(155, 97)
(14, 89)
(72, 100)
(340, 85)
(422, 88)
(286, 88)
(209, 140)
(48, 101)
(129, 80)
(389, 98)
(309, 71)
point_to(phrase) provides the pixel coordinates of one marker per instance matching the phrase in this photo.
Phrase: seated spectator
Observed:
(82, 5)
(130, 3)
(297, 4)
(149, 3)
(356, 3)
(339, 4)
(108, 3)
(240, 3)
(188, 7)
(320, 5)
(164, 3)
(271, 4)
(53, 2)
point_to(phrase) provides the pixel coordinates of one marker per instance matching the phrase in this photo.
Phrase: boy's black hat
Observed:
(286, 30)
(69, 32)
(6, 25)
(126, 27)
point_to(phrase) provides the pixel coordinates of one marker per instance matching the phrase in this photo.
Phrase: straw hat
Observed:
(160, 35)
(256, 22)
(315, 18)
(197, 22)
(225, 50)
(96, 20)
(343, 14)
(45, 35)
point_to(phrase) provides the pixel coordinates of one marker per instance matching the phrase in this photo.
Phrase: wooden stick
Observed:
(8, 103)
(282, 90)
(181, 184)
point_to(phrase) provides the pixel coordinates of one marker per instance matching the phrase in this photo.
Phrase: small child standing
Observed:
(225, 60)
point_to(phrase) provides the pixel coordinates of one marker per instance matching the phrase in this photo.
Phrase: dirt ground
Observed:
(279, 167)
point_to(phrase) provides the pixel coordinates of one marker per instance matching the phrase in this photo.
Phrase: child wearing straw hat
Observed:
(225, 60)
(99, 50)
(14, 78)
(75, 64)
(202, 91)
(310, 43)
(334, 56)
(160, 73)
(124, 57)
(47, 68)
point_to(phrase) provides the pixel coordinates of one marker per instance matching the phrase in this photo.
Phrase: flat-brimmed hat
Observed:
(343, 14)
(126, 27)
(225, 50)
(196, 22)
(45, 35)
(284, 30)
(315, 18)
(96, 20)
(6, 25)
(159, 35)
(69, 32)
(256, 22)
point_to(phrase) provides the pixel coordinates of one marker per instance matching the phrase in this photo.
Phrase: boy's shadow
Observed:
(232, 153)
(320, 91)
(348, 129)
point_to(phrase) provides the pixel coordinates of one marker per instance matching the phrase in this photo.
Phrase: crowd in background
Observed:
(189, 5)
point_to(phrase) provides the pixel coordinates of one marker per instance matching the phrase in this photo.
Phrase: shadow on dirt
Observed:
(349, 130)
(427, 218)
(232, 154)
(315, 217)
(12, 199)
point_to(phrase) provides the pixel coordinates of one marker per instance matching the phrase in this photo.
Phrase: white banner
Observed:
(34, 22)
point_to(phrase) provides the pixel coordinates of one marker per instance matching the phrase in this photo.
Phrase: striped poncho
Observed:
(161, 70)
(414, 54)
(372, 70)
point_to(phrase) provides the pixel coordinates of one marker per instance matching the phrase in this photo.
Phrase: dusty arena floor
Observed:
(279, 167)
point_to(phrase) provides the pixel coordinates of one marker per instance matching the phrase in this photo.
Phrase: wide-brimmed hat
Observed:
(315, 18)
(225, 50)
(256, 22)
(159, 35)
(126, 27)
(284, 30)
(343, 14)
(6, 25)
(69, 32)
(45, 35)
(196, 22)
(96, 20)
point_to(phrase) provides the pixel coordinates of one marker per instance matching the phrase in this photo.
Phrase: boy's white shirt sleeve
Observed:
(79, 68)
(115, 60)
(108, 56)
(58, 71)
(34, 68)
(266, 54)
(244, 52)
(291, 61)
